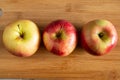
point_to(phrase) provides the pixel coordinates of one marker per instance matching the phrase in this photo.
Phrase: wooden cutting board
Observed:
(44, 64)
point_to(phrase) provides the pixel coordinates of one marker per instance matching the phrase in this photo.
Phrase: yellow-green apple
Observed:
(21, 38)
(98, 37)
(60, 37)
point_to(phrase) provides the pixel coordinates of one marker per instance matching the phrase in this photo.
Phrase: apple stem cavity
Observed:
(60, 34)
(101, 34)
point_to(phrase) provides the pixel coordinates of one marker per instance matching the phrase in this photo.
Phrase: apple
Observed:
(60, 37)
(21, 38)
(98, 37)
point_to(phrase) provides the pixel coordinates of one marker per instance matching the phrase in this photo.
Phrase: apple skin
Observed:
(21, 38)
(98, 37)
(60, 37)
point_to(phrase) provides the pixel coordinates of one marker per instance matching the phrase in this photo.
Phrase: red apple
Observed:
(98, 37)
(60, 37)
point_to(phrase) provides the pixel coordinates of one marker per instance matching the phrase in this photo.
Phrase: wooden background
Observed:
(43, 64)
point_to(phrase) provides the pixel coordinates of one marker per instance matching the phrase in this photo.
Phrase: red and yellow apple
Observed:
(21, 38)
(98, 37)
(60, 37)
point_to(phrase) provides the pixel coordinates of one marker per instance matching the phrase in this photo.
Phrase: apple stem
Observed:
(18, 26)
(21, 33)
(59, 33)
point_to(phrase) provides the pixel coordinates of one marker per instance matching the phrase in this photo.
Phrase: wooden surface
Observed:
(46, 65)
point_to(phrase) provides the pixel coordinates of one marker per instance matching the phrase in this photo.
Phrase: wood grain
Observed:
(46, 65)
